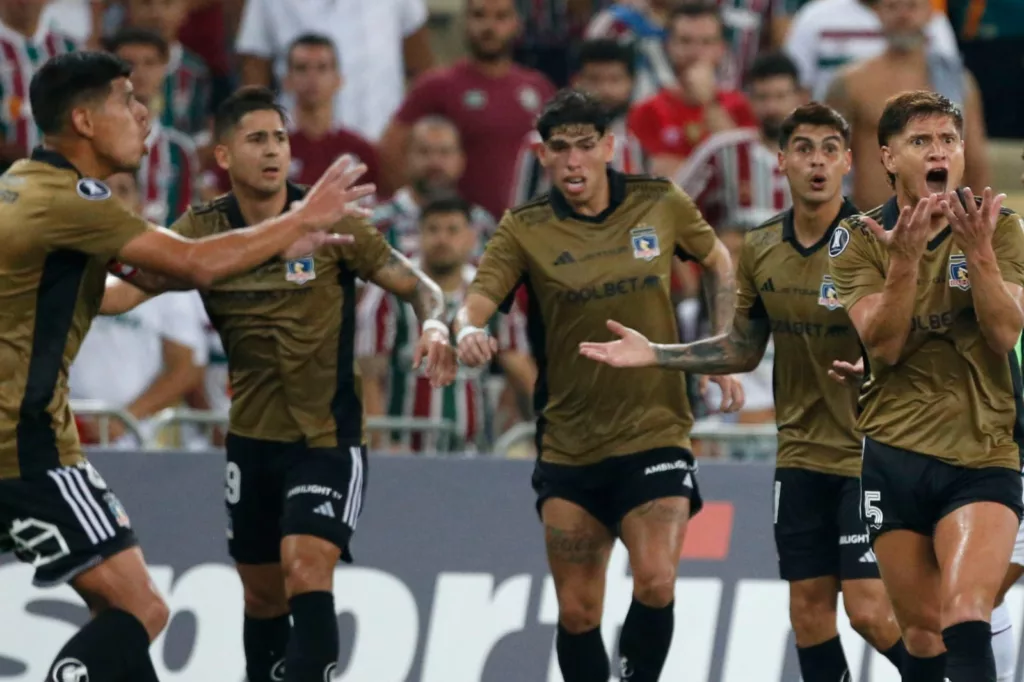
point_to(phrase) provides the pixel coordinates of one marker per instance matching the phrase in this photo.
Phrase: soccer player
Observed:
(296, 459)
(614, 456)
(785, 290)
(60, 226)
(932, 282)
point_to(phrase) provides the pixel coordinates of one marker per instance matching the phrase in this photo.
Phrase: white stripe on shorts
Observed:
(76, 474)
(64, 492)
(94, 516)
(358, 453)
(353, 502)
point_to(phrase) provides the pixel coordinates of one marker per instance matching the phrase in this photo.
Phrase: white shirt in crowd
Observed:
(369, 37)
(827, 34)
(122, 355)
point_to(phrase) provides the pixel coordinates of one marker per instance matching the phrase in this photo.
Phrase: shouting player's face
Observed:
(447, 240)
(257, 153)
(117, 127)
(926, 158)
(815, 161)
(491, 28)
(577, 158)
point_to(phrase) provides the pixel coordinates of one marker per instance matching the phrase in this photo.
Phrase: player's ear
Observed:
(782, 160)
(609, 146)
(847, 161)
(82, 122)
(220, 155)
(887, 159)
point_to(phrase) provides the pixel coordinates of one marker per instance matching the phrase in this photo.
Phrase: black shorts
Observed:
(610, 489)
(904, 490)
(277, 489)
(63, 523)
(818, 529)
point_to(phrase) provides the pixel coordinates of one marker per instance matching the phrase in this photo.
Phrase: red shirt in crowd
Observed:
(665, 124)
(492, 115)
(205, 34)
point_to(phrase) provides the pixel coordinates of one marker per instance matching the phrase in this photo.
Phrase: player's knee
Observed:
(154, 614)
(967, 605)
(579, 613)
(868, 613)
(813, 619)
(923, 641)
(265, 601)
(654, 585)
(307, 572)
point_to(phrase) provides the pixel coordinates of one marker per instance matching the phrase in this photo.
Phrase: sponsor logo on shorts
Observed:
(868, 558)
(277, 672)
(117, 510)
(680, 465)
(325, 509)
(322, 490)
(856, 539)
(70, 670)
(625, 669)
(329, 672)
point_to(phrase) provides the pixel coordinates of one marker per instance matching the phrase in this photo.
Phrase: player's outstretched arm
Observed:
(119, 297)
(203, 262)
(720, 287)
(476, 346)
(997, 303)
(409, 283)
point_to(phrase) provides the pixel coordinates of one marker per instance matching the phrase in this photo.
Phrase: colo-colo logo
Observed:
(727, 632)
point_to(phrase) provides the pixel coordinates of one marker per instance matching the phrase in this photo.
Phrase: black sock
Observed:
(896, 654)
(923, 669)
(823, 662)
(265, 641)
(646, 637)
(582, 657)
(969, 652)
(313, 645)
(112, 646)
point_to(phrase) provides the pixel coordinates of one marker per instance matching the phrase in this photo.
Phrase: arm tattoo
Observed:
(153, 283)
(739, 350)
(720, 287)
(410, 284)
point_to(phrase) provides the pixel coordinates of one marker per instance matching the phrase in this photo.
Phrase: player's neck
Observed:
(81, 156)
(906, 200)
(597, 204)
(257, 208)
(315, 121)
(493, 68)
(811, 221)
(27, 24)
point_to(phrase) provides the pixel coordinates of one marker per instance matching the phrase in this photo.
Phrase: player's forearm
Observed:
(740, 350)
(217, 257)
(999, 315)
(119, 297)
(889, 324)
(476, 311)
(720, 286)
(406, 281)
(169, 389)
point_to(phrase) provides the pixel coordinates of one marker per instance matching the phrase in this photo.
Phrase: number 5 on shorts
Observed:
(872, 514)
(233, 483)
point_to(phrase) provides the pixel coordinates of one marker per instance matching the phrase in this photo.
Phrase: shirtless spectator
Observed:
(860, 92)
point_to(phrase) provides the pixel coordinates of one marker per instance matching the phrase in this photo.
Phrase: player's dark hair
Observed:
(137, 36)
(571, 106)
(814, 114)
(244, 101)
(449, 203)
(313, 40)
(695, 9)
(607, 51)
(67, 81)
(901, 109)
(776, 64)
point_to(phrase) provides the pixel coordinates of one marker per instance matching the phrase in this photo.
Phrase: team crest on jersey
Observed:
(92, 189)
(645, 242)
(958, 272)
(827, 295)
(300, 270)
(474, 99)
(529, 99)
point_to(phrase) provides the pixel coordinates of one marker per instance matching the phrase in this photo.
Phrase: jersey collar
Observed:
(891, 213)
(616, 195)
(234, 211)
(846, 210)
(53, 158)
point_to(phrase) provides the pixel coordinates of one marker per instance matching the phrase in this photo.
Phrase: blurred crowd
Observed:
(696, 90)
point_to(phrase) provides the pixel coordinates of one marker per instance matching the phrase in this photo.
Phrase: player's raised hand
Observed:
(909, 237)
(972, 225)
(632, 349)
(334, 195)
(846, 373)
(440, 356)
(733, 397)
(315, 240)
(476, 346)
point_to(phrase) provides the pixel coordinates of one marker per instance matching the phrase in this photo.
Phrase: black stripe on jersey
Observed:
(59, 283)
(346, 406)
(536, 334)
(1018, 403)
(539, 200)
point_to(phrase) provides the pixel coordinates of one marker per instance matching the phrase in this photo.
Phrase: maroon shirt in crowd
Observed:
(492, 115)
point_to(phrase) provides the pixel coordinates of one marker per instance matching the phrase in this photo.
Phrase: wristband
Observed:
(436, 325)
(466, 331)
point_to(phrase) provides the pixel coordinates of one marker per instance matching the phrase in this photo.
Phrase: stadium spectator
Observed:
(551, 29)
(641, 25)
(860, 91)
(143, 361)
(184, 98)
(381, 43)
(388, 331)
(169, 173)
(27, 39)
(434, 164)
(491, 100)
(607, 69)
(827, 34)
(673, 122)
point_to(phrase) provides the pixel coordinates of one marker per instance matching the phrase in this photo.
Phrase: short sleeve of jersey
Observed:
(694, 238)
(95, 226)
(748, 298)
(856, 270)
(370, 251)
(1008, 243)
(503, 263)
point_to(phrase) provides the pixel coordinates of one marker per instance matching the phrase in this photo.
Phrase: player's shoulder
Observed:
(210, 214)
(775, 222)
(766, 234)
(644, 184)
(537, 210)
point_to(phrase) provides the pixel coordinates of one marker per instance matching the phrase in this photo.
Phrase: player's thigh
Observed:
(653, 534)
(253, 481)
(906, 560)
(263, 590)
(807, 535)
(122, 581)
